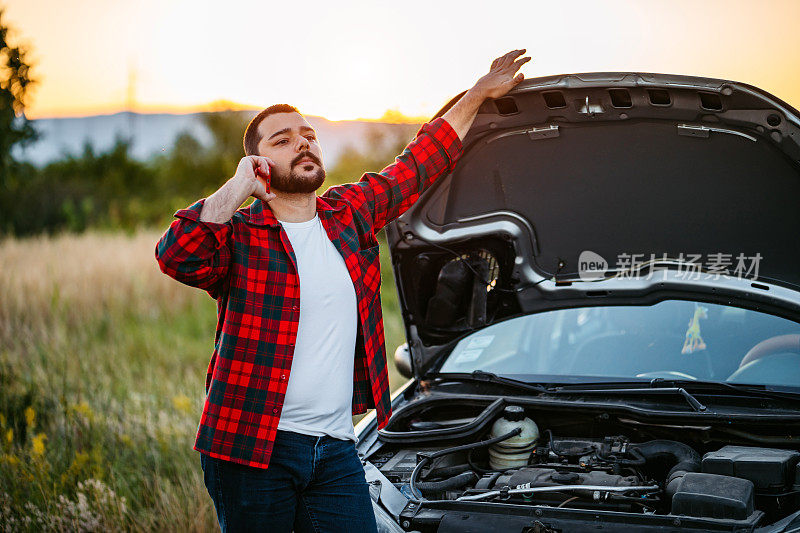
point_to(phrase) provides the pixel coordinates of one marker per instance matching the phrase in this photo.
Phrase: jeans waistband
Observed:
(305, 438)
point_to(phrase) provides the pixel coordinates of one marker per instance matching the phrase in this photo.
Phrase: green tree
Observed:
(15, 82)
(191, 170)
(15, 128)
(110, 189)
(94, 189)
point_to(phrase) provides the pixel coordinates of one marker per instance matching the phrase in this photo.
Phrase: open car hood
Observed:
(568, 172)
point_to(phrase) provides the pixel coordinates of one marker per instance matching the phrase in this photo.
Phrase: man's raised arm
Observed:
(194, 250)
(383, 196)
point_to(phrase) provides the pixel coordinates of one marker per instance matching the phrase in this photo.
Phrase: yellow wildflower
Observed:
(37, 444)
(30, 416)
(81, 458)
(83, 408)
(10, 435)
(9, 458)
(181, 402)
(2, 420)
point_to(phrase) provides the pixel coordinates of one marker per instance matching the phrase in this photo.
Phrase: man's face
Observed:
(292, 144)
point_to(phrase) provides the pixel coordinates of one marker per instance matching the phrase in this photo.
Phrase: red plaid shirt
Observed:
(247, 264)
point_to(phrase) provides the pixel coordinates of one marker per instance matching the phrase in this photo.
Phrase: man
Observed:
(299, 345)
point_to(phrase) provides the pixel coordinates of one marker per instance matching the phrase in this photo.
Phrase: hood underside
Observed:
(616, 168)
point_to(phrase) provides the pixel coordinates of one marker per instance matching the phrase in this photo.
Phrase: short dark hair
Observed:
(251, 136)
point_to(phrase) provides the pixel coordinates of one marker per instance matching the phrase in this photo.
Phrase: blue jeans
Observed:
(312, 484)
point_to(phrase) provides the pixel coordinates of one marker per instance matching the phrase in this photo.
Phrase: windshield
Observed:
(674, 339)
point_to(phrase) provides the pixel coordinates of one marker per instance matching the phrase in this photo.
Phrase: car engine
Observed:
(643, 485)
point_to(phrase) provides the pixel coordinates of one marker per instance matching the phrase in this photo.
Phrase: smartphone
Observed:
(264, 176)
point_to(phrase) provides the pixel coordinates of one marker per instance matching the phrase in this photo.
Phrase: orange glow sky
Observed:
(345, 60)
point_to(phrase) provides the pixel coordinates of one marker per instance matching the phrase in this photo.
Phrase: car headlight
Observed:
(386, 523)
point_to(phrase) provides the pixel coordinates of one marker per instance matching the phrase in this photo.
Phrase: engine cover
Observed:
(548, 477)
(769, 469)
(713, 496)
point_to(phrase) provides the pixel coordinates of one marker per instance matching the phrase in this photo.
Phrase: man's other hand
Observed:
(502, 76)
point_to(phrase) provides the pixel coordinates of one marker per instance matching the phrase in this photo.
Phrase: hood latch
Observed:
(546, 132)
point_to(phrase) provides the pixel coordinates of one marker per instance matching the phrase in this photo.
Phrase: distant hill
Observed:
(154, 133)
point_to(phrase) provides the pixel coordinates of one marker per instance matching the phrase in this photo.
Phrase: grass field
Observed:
(102, 369)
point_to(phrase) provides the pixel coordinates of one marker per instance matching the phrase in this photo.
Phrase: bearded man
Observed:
(299, 345)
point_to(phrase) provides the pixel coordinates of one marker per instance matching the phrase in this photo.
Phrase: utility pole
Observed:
(130, 103)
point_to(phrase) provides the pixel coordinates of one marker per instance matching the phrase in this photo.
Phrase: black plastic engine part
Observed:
(769, 469)
(679, 456)
(544, 477)
(412, 481)
(487, 481)
(571, 448)
(446, 306)
(713, 496)
(514, 413)
(399, 467)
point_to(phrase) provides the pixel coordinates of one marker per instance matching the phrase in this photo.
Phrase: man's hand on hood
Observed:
(502, 77)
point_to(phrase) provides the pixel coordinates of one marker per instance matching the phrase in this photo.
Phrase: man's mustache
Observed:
(309, 155)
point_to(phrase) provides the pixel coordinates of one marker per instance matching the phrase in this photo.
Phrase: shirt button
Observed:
(283, 377)
(274, 411)
(295, 308)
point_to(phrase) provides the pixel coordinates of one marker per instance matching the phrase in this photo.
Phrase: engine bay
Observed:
(502, 466)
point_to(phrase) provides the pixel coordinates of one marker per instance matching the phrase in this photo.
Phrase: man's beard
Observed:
(294, 182)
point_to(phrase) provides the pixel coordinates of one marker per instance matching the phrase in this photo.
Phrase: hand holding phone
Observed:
(264, 176)
(253, 176)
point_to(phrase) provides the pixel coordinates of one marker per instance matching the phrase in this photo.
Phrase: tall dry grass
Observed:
(102, 368)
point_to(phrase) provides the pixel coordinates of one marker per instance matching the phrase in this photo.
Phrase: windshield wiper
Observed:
(684, 387)
(753, 391)
(487, 377)
(583, 388)
(652, 388)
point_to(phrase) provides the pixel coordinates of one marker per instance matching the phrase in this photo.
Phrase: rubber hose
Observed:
(446, 471)
(679, 456)
(454, 482)
(428, 458)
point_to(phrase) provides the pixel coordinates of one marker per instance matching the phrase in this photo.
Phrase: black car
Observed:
(602, 307)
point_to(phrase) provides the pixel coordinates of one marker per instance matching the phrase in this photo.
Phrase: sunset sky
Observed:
(345, 60)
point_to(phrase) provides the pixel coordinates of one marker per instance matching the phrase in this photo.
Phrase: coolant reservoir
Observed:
(515, 451)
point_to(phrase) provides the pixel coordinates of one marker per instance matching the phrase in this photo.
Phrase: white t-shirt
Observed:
(319, 394)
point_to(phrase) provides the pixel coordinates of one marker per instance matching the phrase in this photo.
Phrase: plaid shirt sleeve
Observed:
(196, 252)
(383, 196)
